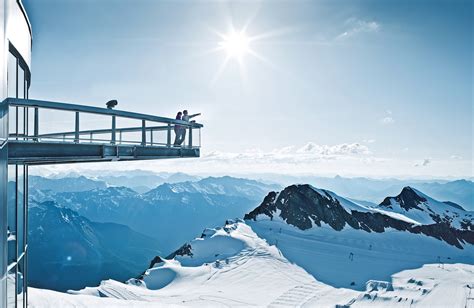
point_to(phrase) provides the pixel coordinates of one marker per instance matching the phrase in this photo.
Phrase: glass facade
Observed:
(17, 247)
(3, 201)
(15, 55)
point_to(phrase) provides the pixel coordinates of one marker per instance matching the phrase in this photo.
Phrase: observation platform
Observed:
(38, 134)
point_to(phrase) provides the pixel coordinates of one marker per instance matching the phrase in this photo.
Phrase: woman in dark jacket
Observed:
(178, 130)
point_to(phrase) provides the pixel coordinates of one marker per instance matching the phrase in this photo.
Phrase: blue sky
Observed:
(373, 88)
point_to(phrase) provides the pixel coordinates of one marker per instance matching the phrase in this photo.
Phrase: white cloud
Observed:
(290, 155)
(456, 157)
(424, 163)
(339, 149)
(310, 157)
(283, 160)
(355, 26)
(387, 119)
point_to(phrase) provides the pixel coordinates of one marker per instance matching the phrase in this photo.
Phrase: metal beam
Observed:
(36, 153)
(94, 110)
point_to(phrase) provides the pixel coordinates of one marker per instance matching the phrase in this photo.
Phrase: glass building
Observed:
(27, 138)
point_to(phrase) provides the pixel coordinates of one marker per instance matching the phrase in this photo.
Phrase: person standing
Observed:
(186, 117)
(178, 130)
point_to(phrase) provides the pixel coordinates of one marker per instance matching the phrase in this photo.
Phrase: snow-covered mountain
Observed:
(425, 210)
(321, 231)
(70, 251)
(304, 207)
(308, 247)
(232, 266)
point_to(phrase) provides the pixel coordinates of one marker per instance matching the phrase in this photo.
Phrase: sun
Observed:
(236, 44)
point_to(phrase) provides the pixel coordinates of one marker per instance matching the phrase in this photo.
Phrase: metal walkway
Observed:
(111, 134)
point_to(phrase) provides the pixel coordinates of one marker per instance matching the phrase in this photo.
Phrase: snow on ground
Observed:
(233, 266)
(430, 286)
(249, 273)
(349, 258)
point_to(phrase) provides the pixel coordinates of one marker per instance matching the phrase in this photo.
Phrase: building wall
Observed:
(3, 156)
(15, 35)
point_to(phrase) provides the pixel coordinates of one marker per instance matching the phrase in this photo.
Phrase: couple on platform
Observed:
(179, 130)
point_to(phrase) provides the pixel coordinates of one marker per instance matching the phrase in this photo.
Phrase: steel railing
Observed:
(150, 124)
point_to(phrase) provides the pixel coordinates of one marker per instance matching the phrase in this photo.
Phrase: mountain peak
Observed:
(409, 198)
(304, 207)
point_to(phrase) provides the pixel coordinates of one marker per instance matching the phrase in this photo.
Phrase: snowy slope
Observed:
(350, 257)
(430, 286)
(249, 273)
(257, 274)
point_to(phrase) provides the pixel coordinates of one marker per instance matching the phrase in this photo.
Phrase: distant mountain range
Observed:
(68, 251)
(67, 184)
(183, 209)
(146, 182)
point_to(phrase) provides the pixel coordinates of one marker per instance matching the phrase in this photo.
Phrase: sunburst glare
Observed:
(236, 44)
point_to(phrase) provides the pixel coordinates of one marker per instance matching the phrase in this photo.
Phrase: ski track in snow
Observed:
(297, 296)
(118, 293)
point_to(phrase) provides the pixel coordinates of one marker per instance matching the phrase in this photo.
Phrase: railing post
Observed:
(190, 136)
(168, 136)
(16, 113)
(120, 136)
(91, 138)
(113, 130)
(25, 124)
(36, 124)
(76, 130)
(151, 137)
(143, 133)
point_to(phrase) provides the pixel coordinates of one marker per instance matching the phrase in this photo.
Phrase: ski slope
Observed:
(232, 266)
(249, 273)
(349, 258)
(432, 285)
